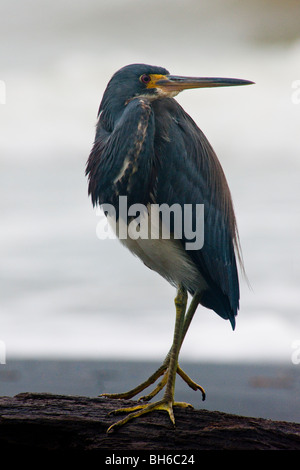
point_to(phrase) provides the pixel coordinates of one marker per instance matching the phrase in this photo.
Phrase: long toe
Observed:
(139, 410)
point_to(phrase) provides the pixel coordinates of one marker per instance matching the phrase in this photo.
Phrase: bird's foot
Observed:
(163, 370)
(139, 410)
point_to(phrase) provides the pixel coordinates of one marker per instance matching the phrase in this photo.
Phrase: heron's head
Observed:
(151, 82)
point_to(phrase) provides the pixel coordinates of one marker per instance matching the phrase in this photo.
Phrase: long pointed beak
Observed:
(174, 83)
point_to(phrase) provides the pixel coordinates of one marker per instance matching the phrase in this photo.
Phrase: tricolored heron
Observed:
(149, 149)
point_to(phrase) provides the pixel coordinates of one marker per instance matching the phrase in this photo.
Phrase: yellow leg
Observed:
(163, 369)
(167, 402)
(168, 370)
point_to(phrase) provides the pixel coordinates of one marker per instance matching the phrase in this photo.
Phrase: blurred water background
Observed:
(65, 294)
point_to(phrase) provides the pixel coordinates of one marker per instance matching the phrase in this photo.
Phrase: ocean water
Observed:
(67, 294)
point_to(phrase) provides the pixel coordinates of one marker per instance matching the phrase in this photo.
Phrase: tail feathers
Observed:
(220, 304)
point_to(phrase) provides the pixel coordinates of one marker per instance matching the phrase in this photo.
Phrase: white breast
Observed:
(165, 256)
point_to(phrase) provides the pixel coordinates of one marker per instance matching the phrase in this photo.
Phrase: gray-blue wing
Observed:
(190, 173)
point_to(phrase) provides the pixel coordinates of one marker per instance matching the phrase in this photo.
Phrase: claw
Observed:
(190, 382)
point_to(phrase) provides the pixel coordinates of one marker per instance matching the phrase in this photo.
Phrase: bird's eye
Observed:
(145, 78)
